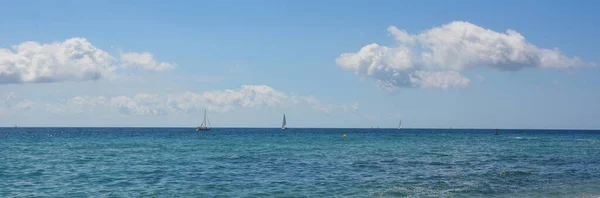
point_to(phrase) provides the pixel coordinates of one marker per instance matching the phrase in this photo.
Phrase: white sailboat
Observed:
(283, 124)
(399, 124)
(205, 126)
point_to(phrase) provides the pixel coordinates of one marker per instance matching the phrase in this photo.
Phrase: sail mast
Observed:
(208, 121)
(204, 121)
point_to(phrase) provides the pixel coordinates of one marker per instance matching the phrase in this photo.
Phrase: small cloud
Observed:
(352, 108)
(144, 61)
(317, 104)
(10, 96)
(24, 105)
(355, 107)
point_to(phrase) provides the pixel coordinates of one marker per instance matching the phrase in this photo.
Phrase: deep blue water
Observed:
(179, 162)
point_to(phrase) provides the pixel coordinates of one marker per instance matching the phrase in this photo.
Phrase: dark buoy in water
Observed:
(496, 132)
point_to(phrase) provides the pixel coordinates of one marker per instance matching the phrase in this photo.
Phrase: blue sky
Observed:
(167, 62)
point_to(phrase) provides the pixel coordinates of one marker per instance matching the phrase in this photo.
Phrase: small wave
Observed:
(515, 173)
(389, 161)
(435, 153)
(389, 193)
(438, 163)
(590, 195)
(593, 141)
(394, 192)
(365, 164)
(526, 138)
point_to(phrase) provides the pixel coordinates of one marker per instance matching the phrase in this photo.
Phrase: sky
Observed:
(343, 64)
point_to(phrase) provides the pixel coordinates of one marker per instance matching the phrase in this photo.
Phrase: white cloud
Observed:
(24, 105)
(352, 108)
(140, 104)
(9, 101)
(248, 96)
(434, 57)
(9, 96)
(317, 105)
(6, 99)
(402, 35)
(74, 59)
(74, 105)
(444, 80)
(87, 101)
(145, 61)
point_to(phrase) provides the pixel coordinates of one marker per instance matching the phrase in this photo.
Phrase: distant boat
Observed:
(204, 126)
(399, 124)
(284, 123)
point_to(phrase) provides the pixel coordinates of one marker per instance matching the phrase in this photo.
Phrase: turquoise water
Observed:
(178, 162)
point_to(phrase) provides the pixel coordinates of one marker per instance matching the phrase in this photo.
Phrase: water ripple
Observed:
(146, 162)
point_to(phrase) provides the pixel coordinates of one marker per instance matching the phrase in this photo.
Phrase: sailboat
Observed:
(203, 126)
(399, 124)
(283, 124)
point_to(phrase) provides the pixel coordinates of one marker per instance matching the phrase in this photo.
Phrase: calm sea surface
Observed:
(179, 162)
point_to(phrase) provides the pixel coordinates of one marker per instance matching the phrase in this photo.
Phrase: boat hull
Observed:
(202, 129)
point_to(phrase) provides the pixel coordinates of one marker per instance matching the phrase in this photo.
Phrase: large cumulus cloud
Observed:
(434, 58)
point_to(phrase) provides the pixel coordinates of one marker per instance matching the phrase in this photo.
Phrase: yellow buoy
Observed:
(345, 136)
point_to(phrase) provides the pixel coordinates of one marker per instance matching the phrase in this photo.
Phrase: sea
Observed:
(257, 162)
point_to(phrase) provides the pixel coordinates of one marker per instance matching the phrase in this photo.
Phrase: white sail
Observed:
(283, 124)
(399, 124)
(205, 124)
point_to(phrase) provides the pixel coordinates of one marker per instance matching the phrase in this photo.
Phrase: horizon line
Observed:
(183, 127)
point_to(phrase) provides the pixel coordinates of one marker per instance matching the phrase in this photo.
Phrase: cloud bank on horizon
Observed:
(434, 58)
(147, 104)
(74, 59)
